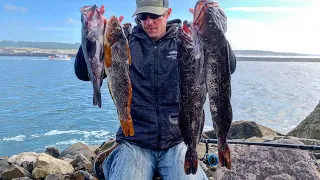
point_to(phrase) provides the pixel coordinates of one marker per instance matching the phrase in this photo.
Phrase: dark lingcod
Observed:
(117, 62)
(92, 46)
(192, 94)
(210, 23)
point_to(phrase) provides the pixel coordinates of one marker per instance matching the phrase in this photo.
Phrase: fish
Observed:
(192, 95)
(117, 62)
(210, 23)
(92, 35)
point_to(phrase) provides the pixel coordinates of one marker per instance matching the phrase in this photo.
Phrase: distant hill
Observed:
(55, 45)
(41, 45)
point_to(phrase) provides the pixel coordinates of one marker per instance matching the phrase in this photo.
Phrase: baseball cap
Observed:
(151, 6)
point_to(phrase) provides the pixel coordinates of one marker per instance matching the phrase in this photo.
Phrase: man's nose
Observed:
(149, 20)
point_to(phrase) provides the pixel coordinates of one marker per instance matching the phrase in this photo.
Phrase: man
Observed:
(157, 146)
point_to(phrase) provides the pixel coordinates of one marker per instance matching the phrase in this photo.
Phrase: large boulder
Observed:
(14, 171)
(259, 162)
(18, 159)
(310, 127)
(76, 149)
(245, 130)
(47, 165)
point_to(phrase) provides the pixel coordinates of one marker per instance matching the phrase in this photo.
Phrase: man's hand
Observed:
(215, 4)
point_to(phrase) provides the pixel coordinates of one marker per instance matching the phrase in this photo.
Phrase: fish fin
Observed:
(107, 55)
(97, 97)
(224, 156)
(127, 127)
(190, 162)
(128, 54)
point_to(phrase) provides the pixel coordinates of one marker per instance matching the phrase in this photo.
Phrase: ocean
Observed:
(42, 103)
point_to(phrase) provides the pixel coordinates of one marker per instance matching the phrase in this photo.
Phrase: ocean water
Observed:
(42, 103)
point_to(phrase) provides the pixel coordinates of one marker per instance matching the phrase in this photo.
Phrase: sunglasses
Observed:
(144, 16)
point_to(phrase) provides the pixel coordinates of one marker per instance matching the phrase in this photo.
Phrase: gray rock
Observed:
(57, 177)
(22, 178)
(281, 177)
(3, 165)
(15, 171)
(78, 148)
(245, 130)
(258, 162)
(52, 151)
(28, 165)
(310, 127)
(82, 163)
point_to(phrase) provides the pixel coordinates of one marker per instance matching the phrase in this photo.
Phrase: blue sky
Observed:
(278, 25)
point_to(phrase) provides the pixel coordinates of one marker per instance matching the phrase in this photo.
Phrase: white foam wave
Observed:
(15, 138)
(86, 134)
(69, 142)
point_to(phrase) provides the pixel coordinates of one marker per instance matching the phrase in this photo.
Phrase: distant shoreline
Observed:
(239, 58)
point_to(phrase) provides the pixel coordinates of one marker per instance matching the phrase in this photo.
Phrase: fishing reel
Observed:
(210, 159)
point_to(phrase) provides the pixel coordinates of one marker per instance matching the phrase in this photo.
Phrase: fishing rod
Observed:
(213, 160)
(293, 146)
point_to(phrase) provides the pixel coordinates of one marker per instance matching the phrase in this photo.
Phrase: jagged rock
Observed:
(78, 148)
(82, 163)
(3, 165)
(52, 151)
(14, 171)
(245, 130)
(310, 127)
(258, 162)
(21, 157)
(28, 166)
(47, 165)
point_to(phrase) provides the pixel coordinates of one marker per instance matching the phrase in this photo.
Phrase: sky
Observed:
(274, 25)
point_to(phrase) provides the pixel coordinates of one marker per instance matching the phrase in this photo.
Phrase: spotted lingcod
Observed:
(92, 46)
(192, 93)
(117, 62)
(210, 23)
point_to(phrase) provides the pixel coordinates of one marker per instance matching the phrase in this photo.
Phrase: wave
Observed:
(15, 138)
(86, 134)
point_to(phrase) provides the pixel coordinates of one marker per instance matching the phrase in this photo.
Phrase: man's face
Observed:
(154, 26)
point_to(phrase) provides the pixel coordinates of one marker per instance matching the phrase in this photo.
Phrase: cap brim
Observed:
(150, 9)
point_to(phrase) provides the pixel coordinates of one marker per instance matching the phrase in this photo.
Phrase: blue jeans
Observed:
(132, 162)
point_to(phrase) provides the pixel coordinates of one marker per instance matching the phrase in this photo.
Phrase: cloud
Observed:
(271, 9)
(13, 8)
(72, 21)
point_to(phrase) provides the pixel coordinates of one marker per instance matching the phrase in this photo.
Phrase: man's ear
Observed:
(168, 13)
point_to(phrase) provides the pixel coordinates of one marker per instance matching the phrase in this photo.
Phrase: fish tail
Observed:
(127, 127)
(191, 162)
(224, 156)
(97, 97)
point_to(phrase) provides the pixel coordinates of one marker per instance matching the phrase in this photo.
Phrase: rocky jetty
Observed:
(248, 161)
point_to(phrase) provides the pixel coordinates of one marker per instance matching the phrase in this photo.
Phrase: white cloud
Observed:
(13, 8)
(295, 32)
(73, 21)
(272, 9)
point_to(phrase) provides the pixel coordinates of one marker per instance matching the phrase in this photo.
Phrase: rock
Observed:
(82, 163)
(47, 165)
(25, 156)
(27, 166)
(78, 148)
(14, 171)
(310, 127)
(52, 151)
(258, 162)
(245, 130)
(22, 178)
(281, 177)
(57, 177)
(3, 166)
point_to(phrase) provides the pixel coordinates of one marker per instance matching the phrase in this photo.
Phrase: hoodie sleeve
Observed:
(80, 67)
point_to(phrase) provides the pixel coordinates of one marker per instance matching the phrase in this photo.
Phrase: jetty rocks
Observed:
(249, 162)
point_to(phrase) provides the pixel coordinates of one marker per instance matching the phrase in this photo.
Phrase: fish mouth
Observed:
(113, 30)
(200, 10)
